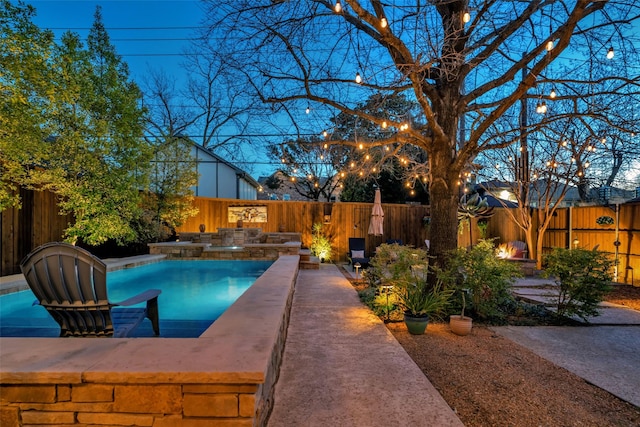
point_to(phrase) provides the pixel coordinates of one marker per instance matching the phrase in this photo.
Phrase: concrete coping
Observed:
(236, 349)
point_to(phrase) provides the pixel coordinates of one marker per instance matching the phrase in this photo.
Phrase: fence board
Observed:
(38, 222)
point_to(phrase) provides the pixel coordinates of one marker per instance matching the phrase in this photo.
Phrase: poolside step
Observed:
(305, 255)
(312, 264)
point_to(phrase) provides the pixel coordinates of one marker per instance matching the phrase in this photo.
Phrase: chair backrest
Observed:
(520, 247)
(71, 284)
(392, 241)
(356, 244)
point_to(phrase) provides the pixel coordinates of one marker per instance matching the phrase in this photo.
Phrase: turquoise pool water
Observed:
(194, 294)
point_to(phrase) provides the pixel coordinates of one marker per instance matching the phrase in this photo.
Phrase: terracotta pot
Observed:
(416, 325)
(460, 325)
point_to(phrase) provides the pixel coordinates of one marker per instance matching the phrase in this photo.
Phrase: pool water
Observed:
(194, 294)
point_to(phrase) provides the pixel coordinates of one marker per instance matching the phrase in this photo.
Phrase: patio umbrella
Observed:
(377, 216)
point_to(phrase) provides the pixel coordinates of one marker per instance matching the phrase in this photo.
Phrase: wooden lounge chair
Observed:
(357, 253)
(71, 284)
(520, 248)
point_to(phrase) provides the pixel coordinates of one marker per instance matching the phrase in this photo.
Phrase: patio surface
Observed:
(342, 367)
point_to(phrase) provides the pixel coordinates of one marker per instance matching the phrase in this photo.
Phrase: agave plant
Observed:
(473, 206)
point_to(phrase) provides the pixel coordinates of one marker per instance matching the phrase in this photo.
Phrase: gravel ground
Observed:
(491, 381)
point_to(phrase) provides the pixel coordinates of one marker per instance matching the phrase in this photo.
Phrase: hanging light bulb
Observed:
(466, 16)
(325, 134)
(550, 45)
(383, 23)
(610, 53)
(338, 7)
(384, 124)
(325, 146)
(539, 108)
(358, 78)
(553, 93)
(543, 107)
(360, 146)
(308, 110)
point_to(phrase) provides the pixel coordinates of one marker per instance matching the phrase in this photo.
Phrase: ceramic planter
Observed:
(416, 324)
(460, 325)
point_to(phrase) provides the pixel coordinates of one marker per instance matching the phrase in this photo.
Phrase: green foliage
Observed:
(320, 244)
(72, 123)
(487, 278)
(584, 278)
(406, 269)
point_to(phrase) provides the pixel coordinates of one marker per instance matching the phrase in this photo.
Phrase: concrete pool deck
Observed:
(342, 366)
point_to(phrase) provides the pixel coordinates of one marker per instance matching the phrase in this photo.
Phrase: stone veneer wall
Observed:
(224, 378)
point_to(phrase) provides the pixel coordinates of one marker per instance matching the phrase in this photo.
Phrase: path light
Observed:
(387, 289)
(357, 266)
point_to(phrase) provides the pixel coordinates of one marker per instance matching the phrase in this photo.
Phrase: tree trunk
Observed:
(443, 194)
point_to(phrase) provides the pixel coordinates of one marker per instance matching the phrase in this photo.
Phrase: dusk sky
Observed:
(146, 33)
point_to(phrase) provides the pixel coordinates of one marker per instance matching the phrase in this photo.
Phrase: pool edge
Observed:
(145, 376)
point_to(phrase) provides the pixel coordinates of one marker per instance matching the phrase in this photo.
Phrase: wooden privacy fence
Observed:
(38, 222)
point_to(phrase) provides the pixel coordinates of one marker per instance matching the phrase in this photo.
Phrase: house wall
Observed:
(218, 179)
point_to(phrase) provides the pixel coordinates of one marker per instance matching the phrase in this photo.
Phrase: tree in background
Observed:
(72, 124)
(459, 60)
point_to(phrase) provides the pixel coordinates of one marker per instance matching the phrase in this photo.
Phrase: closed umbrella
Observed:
(377, 216)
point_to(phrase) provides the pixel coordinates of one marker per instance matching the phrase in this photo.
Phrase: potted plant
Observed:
(419, 301)
(459, 323)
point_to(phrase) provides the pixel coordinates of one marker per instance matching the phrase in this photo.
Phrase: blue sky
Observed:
(146, 33)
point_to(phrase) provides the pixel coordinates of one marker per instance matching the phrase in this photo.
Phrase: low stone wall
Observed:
(528, 266)
(224, 378)
(255, 251)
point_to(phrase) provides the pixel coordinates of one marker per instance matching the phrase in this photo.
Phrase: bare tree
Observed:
(455, 58)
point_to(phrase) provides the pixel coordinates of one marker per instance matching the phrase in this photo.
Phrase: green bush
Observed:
(320, 244)
(405, 269)
(487, 278)
(584, 278)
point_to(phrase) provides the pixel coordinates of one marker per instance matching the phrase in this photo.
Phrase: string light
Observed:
(325, 134)
(358, 78)
(610, 53)
(308, 110)
(360, 146)
(338, 7)
(550, 46)
(384, 124)
(466, 16)
(553, 93)
(383, 23)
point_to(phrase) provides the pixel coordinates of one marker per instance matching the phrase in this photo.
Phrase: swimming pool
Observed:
(194, 294)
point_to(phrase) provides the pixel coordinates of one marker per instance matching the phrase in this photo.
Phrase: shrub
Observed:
(320, 244)
(487, 278)
(584, 278)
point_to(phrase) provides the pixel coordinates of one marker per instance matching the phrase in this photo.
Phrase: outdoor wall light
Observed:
(576, 242)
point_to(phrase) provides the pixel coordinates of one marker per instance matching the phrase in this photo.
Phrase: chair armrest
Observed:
(142, 297)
